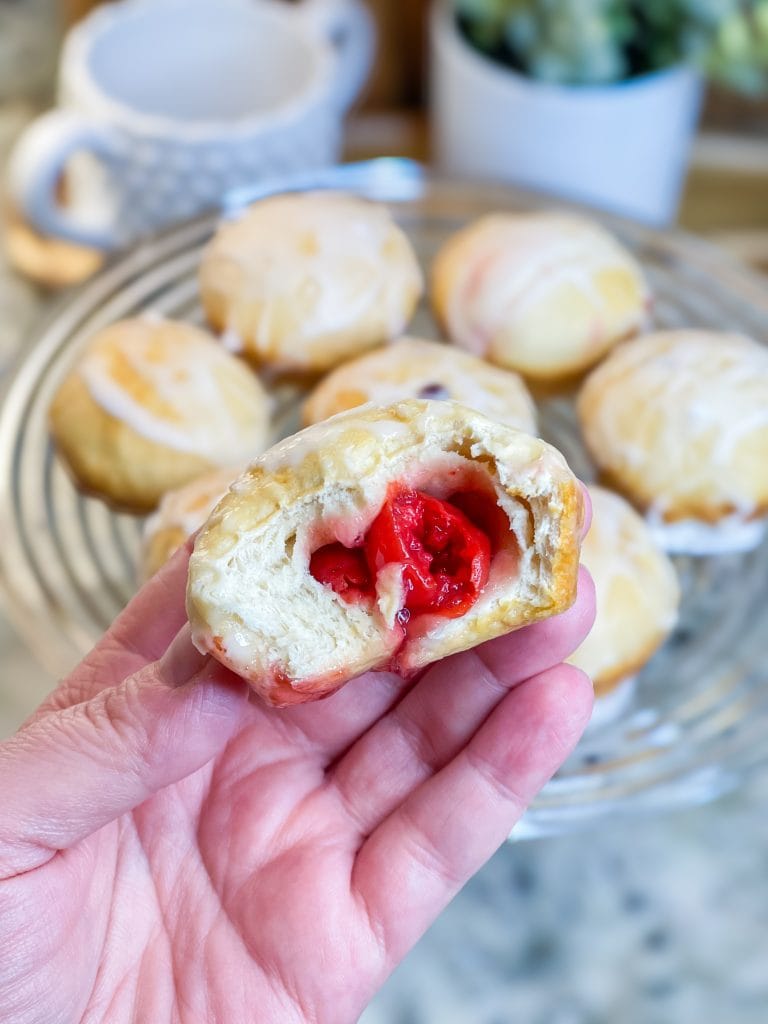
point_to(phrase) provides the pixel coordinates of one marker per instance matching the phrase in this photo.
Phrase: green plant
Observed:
(599, 41)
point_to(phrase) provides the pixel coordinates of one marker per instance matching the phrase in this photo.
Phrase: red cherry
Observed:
(483, 510)
(445, 558)
(342, 569)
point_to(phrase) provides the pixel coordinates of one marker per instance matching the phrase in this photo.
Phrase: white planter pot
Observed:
(621, 147)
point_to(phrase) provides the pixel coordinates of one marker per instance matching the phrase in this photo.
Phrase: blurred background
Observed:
(654, 108)
(530, 66)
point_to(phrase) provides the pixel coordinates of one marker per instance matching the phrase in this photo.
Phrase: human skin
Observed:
(173, 851)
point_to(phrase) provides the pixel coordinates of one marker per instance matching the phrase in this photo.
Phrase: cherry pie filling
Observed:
(444, 549)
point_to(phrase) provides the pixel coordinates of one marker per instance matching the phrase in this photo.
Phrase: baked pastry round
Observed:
(382, 538)
(678, 421)
(303, 281)
(636, 589)
(180, 513)
(546, 294)
(152, 404)
(416, 368)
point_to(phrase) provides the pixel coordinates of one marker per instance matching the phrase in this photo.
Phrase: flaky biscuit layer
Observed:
(254, 605)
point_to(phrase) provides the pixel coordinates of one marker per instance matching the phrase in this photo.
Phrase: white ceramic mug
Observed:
(623, 147)
(164, 105)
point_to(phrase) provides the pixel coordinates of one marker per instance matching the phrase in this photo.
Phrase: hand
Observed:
(170, 851)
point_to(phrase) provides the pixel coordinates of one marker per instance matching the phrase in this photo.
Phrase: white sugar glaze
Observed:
(293, 450)
(184, 376)
(334, 246)
(186, 508)
(696, 399)
(694, 537)
(525, 261)
(381, 379)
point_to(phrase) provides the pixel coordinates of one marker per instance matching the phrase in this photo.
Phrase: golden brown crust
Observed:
(544, 293)
(678, 421)
(328, 483)
(304, 281)
(51, 262)
(637, 592)
(180, 514)
(108, 459)
(684, 510)
(417, 368)
(159, 547)
(152, 404)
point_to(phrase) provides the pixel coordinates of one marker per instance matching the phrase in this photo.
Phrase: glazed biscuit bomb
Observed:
(382, 538)
(299, 283)
(150, 405)
(637, 598)
(416, 368)
(181, 513)
(546, 294)
(678, 421)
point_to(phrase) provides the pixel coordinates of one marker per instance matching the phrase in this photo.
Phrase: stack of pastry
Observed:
(163, 416)
(297, 284)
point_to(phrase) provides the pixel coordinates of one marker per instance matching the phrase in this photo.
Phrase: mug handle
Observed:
(37, 163)
(348, 26)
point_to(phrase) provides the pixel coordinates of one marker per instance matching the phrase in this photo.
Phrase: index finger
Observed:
(424, 852)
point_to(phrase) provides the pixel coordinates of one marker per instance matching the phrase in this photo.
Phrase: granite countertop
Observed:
(655, 921)
(651, 921)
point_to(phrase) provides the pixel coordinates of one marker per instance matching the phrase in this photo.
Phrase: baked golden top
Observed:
(636, 588)
(679, 421)
(151, 404)
(304, 281)
(180, 513)
(543, 293)
(417, 368)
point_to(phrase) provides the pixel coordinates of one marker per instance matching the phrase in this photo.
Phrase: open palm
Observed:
(171, 851)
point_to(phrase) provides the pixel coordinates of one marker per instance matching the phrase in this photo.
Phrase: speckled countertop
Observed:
(654, 921)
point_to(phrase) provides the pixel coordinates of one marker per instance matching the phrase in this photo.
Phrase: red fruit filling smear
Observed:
(482, 509)
(344, 570)
(445, 557)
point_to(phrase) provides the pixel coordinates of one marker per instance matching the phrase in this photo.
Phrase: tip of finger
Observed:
(587, 510)
(581, 693)
(586, 595)
(571, 694)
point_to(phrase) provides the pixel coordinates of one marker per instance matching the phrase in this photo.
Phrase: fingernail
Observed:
(181, 660)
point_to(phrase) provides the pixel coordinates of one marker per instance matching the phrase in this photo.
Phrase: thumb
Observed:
(73, 771)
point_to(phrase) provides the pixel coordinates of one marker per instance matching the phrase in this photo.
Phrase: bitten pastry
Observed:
(637, 593)
(152, 404)
(181, 512)
(415, 368)
(546, 294)
(302, 282)
(382, 538)
(678, 421)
